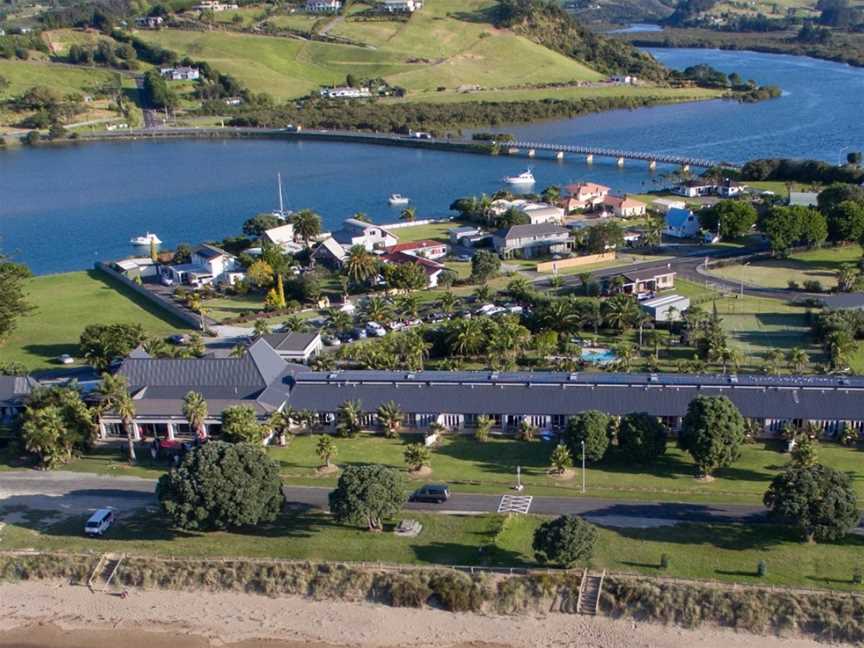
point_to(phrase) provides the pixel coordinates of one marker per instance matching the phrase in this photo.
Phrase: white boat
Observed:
(398, 199)
(281, 212)
(147, 239)
(524, 178)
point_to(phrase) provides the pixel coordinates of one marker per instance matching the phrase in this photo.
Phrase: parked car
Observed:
(375, 329)
(360, 333)
(396, 325)
(177, 339)
(166, 280)
(434, 493)
(332, 340)
(463, 257)
(65, 358)
(345, 337)
(99, 522)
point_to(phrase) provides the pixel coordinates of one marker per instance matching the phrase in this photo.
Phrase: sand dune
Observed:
(43, 614)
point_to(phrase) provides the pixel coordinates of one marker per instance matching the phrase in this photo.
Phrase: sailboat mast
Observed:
(279, 184)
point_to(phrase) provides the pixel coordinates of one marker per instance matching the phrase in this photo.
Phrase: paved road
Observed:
(77, 493)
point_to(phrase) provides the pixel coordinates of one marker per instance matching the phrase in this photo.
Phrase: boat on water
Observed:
(147, 239)
(524, 178)
(281, 212)
(398, 199)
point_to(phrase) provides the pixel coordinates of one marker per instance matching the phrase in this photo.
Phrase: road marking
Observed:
(515, 503)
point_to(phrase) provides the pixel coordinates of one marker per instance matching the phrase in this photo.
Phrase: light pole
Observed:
(583, 466)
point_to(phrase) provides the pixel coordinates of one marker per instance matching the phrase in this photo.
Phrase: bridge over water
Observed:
(590, 152)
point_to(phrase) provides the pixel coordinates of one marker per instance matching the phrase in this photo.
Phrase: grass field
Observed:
(446, 45)
(65, 304)
(63, 78)
(491, 468)
(813, 265)
(726, 553)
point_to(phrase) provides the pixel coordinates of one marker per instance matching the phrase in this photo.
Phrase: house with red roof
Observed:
(427, 248)
(433, 269)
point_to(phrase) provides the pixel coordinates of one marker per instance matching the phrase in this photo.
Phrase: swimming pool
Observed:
(598, 355)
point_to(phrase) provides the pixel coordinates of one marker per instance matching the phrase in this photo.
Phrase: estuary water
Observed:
(64, 208)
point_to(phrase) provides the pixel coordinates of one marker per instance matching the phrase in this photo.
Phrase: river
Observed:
(63, 208)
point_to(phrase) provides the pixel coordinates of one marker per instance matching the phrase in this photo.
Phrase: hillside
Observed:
(450, 43)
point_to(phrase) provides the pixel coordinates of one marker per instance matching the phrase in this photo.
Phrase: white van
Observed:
(375, 329)
(99, 522)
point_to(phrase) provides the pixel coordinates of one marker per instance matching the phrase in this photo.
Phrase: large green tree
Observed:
(222, 486)
(733, 218)
(565, 541)
(592, 427)
(641, 438)
(484, 265)
(713, 432)
(817, 499)
(101, 344)
(367, 494)
(55, 424)
(13, 299)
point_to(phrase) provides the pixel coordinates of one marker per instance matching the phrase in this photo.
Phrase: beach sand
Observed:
(47, 613)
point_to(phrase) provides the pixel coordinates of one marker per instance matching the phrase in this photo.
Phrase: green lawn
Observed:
(726, 553)
(491, 468)
(433, 231)
(812, 265)
(65, 79)
(64, 305)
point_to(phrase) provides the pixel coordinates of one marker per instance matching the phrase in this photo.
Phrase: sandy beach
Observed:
(59, 615)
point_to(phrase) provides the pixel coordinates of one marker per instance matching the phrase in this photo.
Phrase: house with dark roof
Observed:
(426, 248)
(433, 269)
(295, 346)
(532, 240)
(640, 282)
(14, 391)
(329, 253)
(370, 236)
(681, 223)
(456, 399)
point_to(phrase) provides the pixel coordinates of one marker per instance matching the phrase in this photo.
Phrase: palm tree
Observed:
(323, 362)
(294, 324)
(377, 309)
(407, 307)
(585, 282)
(156, 347)
(594, 315)
(260, 329)
(775, 359)
(641, 319)
(338, 320)
(798, 359)
(447, 303)
(408, 214)
(465, 337)
(195, 411)
(114, 391)
(280, 424)
(484, 427)
(390, 417)
(625, 354)
(362, 217)
(621, 310)
(483, 293)
(653, 235)
(325, 449)
(307, 225)
(348, 419)
(238, 351)
(506, 342)
(360, 264)
(847, 275)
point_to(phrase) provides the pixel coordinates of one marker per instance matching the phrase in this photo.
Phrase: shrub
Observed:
(561, 459)
(641, 438)
(367, 495)
(221, 486)
(527, 430)
(592, 427)
(664, 561)
(456, 592)
(857, 576)
(484, 427)
(565, 541)
(240, 425)
(793, 285)
(762, 569)
(417, 455)
(813, 285)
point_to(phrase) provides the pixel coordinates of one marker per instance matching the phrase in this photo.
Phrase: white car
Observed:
(375, 329)
(99, 522)
(65, 359)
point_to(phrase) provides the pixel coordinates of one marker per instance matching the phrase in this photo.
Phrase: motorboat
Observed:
(524, 178)
(147, 239)
(398, 199)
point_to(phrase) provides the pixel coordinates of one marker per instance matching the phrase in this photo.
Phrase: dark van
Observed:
(434, 493)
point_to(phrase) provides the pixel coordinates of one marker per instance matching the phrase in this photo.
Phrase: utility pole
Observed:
(583, 466)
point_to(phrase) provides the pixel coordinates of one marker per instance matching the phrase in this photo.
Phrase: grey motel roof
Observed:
(267, 382)
(822, 398)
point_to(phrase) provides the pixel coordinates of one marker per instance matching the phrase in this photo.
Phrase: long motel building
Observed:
(267, 382)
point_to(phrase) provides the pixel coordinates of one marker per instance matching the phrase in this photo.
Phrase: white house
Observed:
(681, 223)
(149, 22)
(583, 195)
(215, 6)
(279, 235)
(803, 199)
(209, 265)
(427, 248)
(623, 206)
(323, 6)
(345, 92)
(695, 188)
(329, 253)
(730, 189)
(402, 6)
(370, 236)
(532, 240)
(183, 73)
(668, 308)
